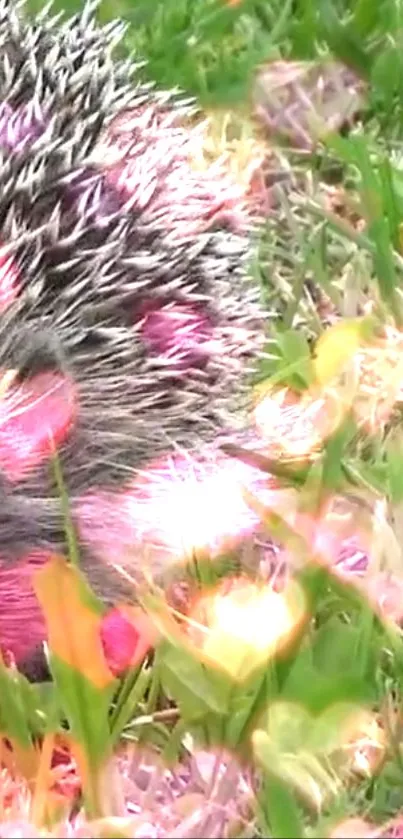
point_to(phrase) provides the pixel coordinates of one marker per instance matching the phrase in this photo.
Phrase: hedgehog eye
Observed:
(38, 352)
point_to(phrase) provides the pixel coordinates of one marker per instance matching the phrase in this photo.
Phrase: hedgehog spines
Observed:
(126, 313)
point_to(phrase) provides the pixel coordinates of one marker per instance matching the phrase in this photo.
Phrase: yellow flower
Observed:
(294, 426)
(239, 629)
(366, 369)
(380, 380)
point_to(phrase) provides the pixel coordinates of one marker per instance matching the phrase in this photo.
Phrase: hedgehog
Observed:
(129, 325)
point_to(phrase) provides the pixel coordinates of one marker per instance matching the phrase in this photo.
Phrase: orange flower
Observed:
(73, 622)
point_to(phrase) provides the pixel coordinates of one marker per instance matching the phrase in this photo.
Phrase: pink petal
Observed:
(22, 625)
(35, 417)
(126, 638)
(177, 330)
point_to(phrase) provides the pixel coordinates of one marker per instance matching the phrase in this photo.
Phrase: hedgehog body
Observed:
(128, 326)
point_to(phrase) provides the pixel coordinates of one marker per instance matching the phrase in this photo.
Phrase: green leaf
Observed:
(277, 800)
(394, 467)
(316, 686)
(342, 38)
(375, 201)
(386, 76)
(13, 707)
(284, 815)
(195, 689)
(244, 706)
(365, 16)
(86, 707)
(131, 693)
(295, 351)
(25, 714)
(335, 449)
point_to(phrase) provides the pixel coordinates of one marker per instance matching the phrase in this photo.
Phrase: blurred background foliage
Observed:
(210, 48)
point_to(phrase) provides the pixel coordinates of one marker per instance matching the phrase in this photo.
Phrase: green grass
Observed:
(316, 267)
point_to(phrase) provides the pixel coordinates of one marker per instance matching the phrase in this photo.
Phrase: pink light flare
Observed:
(178, 507)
